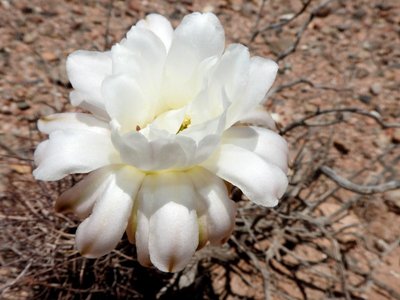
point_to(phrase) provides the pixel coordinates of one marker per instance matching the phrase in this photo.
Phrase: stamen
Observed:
(185, 123)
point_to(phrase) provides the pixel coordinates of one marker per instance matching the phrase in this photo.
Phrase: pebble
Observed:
(286, 17)
(30, 37)
(22, 105)
(343, 27)
(361, 73)
(323, 12)
(359, 14)
(49, 56)
(365, 99)
(396, 136)
(393, 199)
(376, 89)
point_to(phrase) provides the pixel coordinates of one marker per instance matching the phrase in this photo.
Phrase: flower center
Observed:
(185, 124)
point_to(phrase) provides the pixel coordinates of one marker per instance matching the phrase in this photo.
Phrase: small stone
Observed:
(376, 89)
(365, 99)
(5, 110)
(288, 66)
(359, 14)
(369, 46)
(309, 108)
(343, 27)
(381, 245)
(323, 12)
(21, 169)
(341, 147)
(396, 136)
(30, 37)
(383, 6)
(286, 17)
(208, 8)
(361, 73)
(280, 45)
(392, 200)
(49, 56)
(22, 105)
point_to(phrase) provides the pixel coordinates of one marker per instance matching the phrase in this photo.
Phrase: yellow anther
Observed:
(185, 123)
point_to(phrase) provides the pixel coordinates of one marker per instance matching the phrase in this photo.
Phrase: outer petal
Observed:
(160, 26)
(78, 121)
(138, 226)
(216, 212)
(71, 151)
(82, 196)
(262, 182)
(101, 232)
(86, 71)
(232, 72)
(80, 99)
(265, 143)
(169, 204)
(259, 117)
(262, 74)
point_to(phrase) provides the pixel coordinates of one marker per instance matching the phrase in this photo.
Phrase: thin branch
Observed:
(373, 115)
(357, 188)
(279, 24)
(308, 82)
(303, 28)
(14, 281)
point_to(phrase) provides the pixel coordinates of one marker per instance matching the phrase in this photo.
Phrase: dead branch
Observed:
(373, 115)
(302, 29)
(279, 24)
(360, 189)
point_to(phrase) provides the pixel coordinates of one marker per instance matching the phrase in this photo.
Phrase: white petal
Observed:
(262, 74)
(232, 72)
(103, 229)
(86, 71)
(126, 61)
(262, 182)
(264, 142)
(259, 117)
(170, 120)
(226, 83)
(151, 148)
(80, 99)
(217, 208)
(78, 121)
(137, 150)
(152, 151)
(139, 223)
(173, 228)
(126, 102)
(72, 151)
(160, 26)
(141, 56)
(83, 195)
(145, 44)
(197, 38)
(202, 34)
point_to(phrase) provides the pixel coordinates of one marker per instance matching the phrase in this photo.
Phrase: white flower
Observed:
(167, 127)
